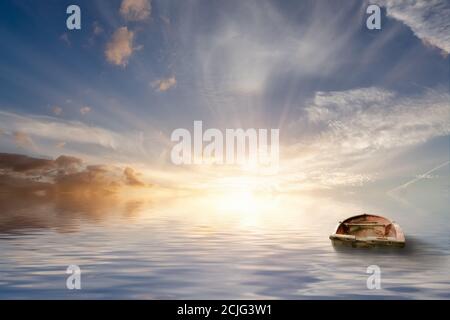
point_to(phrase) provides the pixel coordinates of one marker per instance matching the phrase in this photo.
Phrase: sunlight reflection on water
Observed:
(215, 246)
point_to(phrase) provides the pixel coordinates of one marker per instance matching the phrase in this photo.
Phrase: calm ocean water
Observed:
(207, 247)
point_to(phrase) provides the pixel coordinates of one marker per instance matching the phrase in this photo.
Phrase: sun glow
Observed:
(238, 202)
(241, 195)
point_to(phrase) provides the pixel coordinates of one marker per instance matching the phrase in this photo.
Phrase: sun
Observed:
(240, 195)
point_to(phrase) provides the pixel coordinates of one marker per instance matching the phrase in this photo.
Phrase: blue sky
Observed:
(353, 105)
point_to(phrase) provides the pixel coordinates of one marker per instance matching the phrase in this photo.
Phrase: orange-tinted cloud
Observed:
(64, 174)
(135, 10)
(164, 84)
(57, 110)
(120, 48)
(131, 177)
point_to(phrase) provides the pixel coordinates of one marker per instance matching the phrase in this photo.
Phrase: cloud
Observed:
(55, 129)
(91, 142)
(65, 38)
(341, 137)
(135, 10)
(85, 110)
(68, 162)
(164, 84)
(20, 172)
(97, 29)
(370, 119)
(93, 177)
(23, 140)
(22, 163)
(60, 145)
(242, 60)
(120, 48)
(429, 20)
(64, 174)
(57, 110)
(165, 19)
(131, 177)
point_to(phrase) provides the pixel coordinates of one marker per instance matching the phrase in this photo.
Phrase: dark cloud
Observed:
(93, 179)
(20, 173)
(21, 163)
(44, 193)
(68, 164)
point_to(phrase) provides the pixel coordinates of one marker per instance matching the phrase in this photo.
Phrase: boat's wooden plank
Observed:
(366, 224)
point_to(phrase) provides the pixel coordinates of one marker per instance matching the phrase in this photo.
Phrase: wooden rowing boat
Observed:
(368, 230)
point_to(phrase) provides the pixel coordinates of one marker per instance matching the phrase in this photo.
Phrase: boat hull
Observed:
(366, 243)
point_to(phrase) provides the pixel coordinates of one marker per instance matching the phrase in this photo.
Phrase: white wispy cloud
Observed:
(46, 135)
(120, 48)
(343, 135)
(244, 55)
(371, 119)
(57, 129)
(135, 10)
(429, 20)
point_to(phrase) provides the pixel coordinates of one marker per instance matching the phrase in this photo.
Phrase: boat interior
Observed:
(366, 226)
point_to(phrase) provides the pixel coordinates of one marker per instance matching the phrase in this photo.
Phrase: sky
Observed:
(355, 107)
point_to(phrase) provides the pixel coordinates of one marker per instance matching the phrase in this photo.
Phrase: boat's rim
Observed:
(366, 214)
(399, 231)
